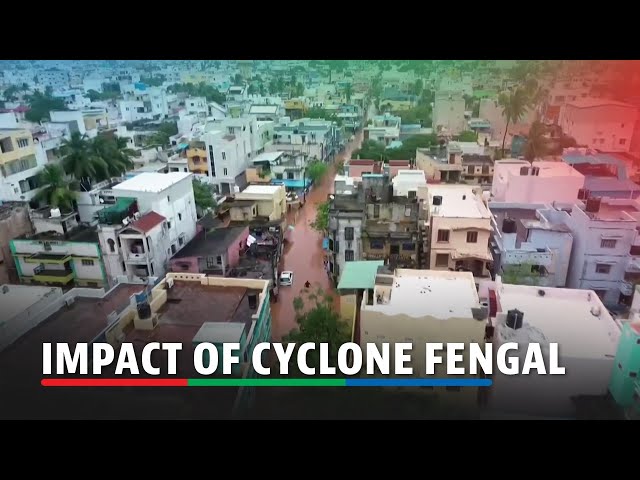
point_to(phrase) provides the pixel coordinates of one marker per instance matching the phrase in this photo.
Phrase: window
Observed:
(442, 260)
(169, 225)
(603, 268)
(472, 237)
(348, 255)
(376, 211)
(376, 244)
(210, 263)
(179, 216)
(471, 169)
(224, 172)
(394, 249)
(23, 142)
(112, 245)
(224, 156)
(409, 247)
(87, 263)
(443, 235)
(623, 141)
(219, 259)
(348, 233)
(47, 246)
(608, 243)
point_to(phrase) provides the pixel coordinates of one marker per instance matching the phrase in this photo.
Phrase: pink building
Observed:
(355, 168)
(215, 252)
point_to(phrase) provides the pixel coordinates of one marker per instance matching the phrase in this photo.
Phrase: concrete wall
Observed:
(13, 225)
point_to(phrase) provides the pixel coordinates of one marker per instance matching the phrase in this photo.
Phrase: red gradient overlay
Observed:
(114, 382)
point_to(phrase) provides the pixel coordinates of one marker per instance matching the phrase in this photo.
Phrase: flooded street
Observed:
(303, 254)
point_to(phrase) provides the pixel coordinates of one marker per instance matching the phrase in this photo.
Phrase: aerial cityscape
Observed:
(327, 201)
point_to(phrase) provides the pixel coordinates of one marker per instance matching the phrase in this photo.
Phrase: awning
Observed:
(458, 255)
(292, 183)
(183, 146)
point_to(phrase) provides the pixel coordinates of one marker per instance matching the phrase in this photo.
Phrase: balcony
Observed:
(63, 277)
(626, 288)
(49, 258)
(136, 258)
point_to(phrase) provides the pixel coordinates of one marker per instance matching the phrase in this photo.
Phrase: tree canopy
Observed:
(41, 104)
(315, 170)
(372, 150)
(56, 192)
(318, 322)
(153, 81)
(200, 90)
(203, 196)
(321, 223)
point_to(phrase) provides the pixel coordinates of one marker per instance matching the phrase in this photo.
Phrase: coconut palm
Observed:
(112, 156)
(79, 160)
(514, 105)
(537, 142)
(56, 192)
(348, 91)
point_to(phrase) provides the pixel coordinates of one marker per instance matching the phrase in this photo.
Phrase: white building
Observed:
(139, 244)
(146, 103)
(228, 160)
(448, 113)
(574, 319)
(598, 123)
(56, 79)
(606, 247)
(518, 181)
(20, 164)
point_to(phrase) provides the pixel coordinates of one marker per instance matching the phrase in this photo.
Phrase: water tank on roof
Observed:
(509, 226)
(524, 170)
(55, 213)
(535, 171)
(593, 205)
(515, 319)
(583, 194)
(437, 200)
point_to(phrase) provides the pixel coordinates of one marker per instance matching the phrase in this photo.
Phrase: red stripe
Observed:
(114, 382)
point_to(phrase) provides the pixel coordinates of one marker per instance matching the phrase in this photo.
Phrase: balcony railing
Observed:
(62, 277)
(136, 257)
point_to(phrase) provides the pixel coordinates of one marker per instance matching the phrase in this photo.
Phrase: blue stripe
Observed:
(418, 382)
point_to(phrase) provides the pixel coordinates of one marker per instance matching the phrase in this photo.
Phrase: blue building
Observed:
(604, 175)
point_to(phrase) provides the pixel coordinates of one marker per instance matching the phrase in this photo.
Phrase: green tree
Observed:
(113, 154)
(417, 87)
(318, 322)
(299, 90)
(162, 135)
(41, 104)
(514, 106)
(321, 223)
(371, 150)
(153, 81)
(253, 89)
(316, 170)
(348, 91)
(468, 136)
(203, 196)
(200, 90)
(237, 79)
(94, 95)
(11, 93)
(80, 161)
(55, 191)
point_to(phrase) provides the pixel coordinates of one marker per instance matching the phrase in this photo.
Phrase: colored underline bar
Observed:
(114, 382)
(265, 382)
(418, 382)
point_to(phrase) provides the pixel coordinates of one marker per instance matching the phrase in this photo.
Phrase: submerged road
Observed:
(303, 253)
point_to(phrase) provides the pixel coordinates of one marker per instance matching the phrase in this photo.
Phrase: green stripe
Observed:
(266, 382)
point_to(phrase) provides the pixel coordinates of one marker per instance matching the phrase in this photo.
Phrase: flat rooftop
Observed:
(576, 319)
(78, 234)
(598, 102)
(212, 243)
(612, 212)
(16, 299)
(458, 201)
(267, 157)
(261, 189)
(416, 293)
(151, 182)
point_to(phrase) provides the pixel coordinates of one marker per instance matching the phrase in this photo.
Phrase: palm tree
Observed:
(537, 142)
(514, 105)
(112, 156)
(56, 192)
(348, 90)
(80, 161)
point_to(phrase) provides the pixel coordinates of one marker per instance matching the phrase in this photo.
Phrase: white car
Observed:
(286, 279)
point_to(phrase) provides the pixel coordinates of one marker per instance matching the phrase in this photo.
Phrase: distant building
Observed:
(448, 113)
(599, 123)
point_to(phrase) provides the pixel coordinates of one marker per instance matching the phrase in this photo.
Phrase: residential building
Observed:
(528, 247)
(391, 231)
(383, 129)
(14, 223)
(605, 247)
(599, 123)
(560, 94)
(540, 182)
(314, 138)
(54, 78)
(420, 306)
(228, 159)
(459, 228)
(477, 169)
(197, 162)
(346, 219)
(141, 102)
(357, 278)
(586, 335)
(19, 165)
(441, 164)
(176, 309)
(295, 108)
(258, 202)
(213, 253)
(605, 175)
(197, 106)
(448, 113)
(60, 252)
(355, 168)
(262, 113)
(147, 220)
